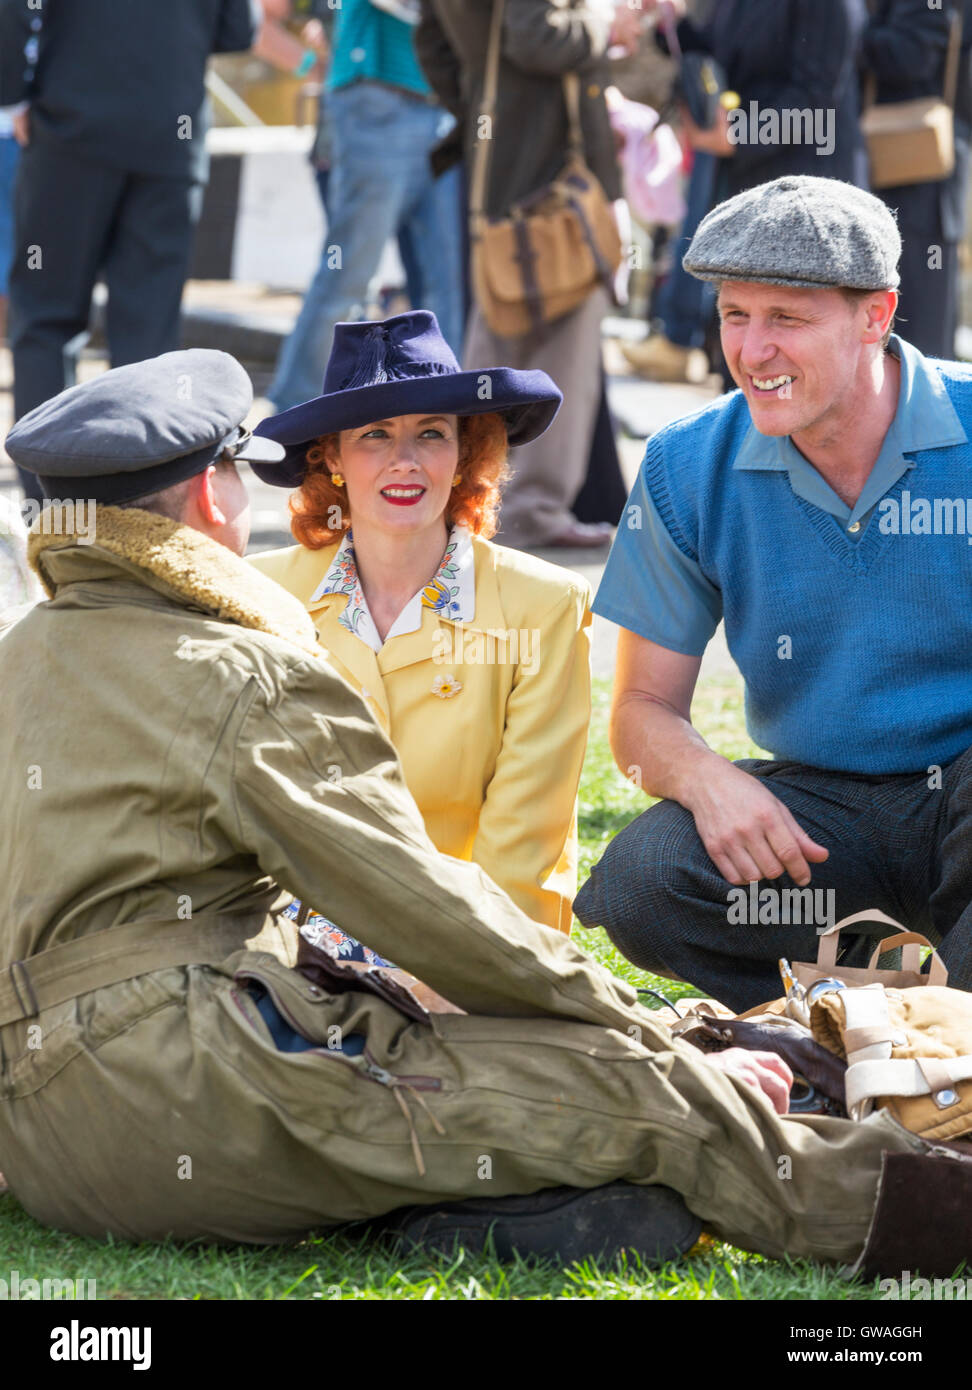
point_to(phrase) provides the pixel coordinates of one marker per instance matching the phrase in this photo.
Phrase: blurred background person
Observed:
(279, 46)
(384, 123)
(9, 154)
(789, 56)
(541, 42)
(111, 172)
(904, 56)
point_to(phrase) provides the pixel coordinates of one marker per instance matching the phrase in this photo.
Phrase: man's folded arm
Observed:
(320, 801)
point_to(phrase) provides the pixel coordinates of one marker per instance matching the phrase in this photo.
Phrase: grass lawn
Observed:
(340, 1267)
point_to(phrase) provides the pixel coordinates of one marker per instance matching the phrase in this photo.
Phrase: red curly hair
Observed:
(474, 503)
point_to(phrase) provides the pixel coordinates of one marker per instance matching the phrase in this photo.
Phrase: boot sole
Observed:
(563, 1224)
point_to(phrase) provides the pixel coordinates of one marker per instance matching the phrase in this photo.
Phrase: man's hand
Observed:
(21, 126)
(748, 833)
(676, 8)
(764, 1070)
(626, 28)
(715, 141)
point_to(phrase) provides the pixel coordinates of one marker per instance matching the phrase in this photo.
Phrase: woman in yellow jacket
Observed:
(473, 658)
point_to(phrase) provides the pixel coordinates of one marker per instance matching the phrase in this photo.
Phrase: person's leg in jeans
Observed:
(372, 177)
(146, 264)
(412, 266)
(667, 908)
(434, 229)
(9, 156)
(685, 303)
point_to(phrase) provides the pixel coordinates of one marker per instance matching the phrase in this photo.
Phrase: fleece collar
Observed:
(173, 559)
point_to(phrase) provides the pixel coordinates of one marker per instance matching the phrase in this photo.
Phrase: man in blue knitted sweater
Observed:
(824, 511)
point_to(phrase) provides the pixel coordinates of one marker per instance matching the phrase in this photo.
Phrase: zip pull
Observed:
(379, 1073)
(396, 1086)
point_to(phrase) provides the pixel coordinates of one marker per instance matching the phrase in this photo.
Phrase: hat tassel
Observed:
(370, 368)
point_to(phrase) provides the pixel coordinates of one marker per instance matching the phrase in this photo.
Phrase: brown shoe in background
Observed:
(581, 535)
(657, 358)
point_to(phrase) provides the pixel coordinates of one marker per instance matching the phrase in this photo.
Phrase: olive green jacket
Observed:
(173, 744)
(174, 752)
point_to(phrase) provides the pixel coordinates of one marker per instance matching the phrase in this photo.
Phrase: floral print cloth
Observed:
(451, 591)
(321, 931)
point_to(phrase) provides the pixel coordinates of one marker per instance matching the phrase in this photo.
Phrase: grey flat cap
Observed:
(806, 232)
(138, 429)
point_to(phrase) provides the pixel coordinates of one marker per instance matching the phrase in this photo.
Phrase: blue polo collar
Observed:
(925, 419)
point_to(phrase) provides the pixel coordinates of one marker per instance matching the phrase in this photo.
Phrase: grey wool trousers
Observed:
(900, 843)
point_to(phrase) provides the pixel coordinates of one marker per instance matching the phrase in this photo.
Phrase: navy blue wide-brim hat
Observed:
(403, 366)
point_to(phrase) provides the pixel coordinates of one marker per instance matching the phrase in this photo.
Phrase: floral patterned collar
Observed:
(451, 591)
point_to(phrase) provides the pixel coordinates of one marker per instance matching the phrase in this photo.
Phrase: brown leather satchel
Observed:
(553, 248)
(914, 141)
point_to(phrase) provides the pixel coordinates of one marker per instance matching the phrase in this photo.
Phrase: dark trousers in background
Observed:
(684, 304)
(928, 310)
(76, 220)
(931, 219)
(896, 843)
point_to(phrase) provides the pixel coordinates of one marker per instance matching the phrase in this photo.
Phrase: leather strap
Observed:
(479, 184)
(64, 972)
(480, 174)
(867, 1032)
(526, 258)
(952, 58)
(950, 83)
(901, 1076)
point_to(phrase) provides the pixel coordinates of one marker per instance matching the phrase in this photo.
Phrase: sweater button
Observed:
(854, 527)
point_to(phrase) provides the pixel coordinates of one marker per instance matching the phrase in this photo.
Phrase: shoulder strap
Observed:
(952, 59)
(575, 134)
(950, 84)
(480, 173)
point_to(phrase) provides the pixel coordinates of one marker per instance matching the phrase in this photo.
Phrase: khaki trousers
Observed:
(161, 1106)
(549, 472)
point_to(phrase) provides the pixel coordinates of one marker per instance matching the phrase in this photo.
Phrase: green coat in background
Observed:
(176, 761)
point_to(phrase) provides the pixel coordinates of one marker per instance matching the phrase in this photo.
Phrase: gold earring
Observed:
(337, 479)
(456, 480)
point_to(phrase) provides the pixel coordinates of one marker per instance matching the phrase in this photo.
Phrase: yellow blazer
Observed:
(494, 767)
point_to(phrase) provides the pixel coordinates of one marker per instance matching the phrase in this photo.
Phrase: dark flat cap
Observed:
(135, 430)
(806, 232)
